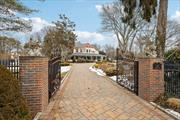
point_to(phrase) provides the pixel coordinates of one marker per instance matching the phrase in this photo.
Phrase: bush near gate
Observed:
(65, 64)
(110, 71)
(108, 68)
(174, 103)
(168, 102)
(12, 104)
(96, 65)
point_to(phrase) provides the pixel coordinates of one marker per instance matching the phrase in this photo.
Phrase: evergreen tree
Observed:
(12, 104)
(9, 21)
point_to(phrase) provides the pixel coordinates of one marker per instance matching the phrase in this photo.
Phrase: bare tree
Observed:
(97, 47)
(148, 9)
(145, 40)
(125, 32)
(147, 36)
(9, 46)
(172, 34)
(110, 52)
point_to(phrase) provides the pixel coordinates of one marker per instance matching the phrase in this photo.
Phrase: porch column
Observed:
(91, 58)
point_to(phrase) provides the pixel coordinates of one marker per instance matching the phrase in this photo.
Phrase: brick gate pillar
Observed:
(151, 78)
(34, 78)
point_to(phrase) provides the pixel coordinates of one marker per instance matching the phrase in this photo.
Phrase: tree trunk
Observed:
(161, 28)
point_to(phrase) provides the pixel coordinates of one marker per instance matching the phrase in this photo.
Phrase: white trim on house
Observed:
(86, 52)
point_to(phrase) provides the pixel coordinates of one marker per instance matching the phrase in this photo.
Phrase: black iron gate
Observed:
(127, 73)
(172, 77)
(12, 65)
(54, 75)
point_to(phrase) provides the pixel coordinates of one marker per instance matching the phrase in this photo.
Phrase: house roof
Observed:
(80, 45)
(88, 45)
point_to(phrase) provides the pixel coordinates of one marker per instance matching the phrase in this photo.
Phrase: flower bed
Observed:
(169, 103)
(108, 69)
(65, 64)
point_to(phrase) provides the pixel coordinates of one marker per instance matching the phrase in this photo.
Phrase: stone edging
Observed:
(163, 110)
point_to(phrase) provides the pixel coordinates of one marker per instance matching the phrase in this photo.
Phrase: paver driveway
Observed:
(91, 97)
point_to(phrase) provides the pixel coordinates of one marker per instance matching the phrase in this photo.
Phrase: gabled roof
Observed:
(85, 45)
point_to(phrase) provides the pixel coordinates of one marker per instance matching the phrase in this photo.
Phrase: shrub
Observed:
(96, 65)
(12, 104)
(103, 66)
(166, 101)
(174, 103)
(98, 62)
(81, 60)
(110, 71)
(65, 64)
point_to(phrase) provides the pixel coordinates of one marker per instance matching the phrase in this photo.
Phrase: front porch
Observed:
(87, 57)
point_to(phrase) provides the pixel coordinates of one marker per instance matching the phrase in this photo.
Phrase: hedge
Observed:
(13, 105)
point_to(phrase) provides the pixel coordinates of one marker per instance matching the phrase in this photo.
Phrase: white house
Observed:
(86, 52)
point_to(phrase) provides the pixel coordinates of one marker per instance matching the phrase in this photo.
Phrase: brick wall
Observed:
(151, 81)
(34, 78)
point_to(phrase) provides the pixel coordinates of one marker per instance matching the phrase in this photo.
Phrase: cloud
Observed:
(108, 7)
(38, 23)
(176, 16)
(84, 35)
(99, 8)
(96, 38)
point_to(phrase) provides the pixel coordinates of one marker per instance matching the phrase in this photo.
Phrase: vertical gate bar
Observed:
(117, 65)
(49, 80)
(60, 69)
(12, 66)
(18, 69)
(178, 80)
(136, 69)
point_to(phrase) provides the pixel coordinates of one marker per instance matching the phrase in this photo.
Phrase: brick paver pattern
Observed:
(88, 96)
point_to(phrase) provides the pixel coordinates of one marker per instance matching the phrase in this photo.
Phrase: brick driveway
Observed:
(90, 97)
